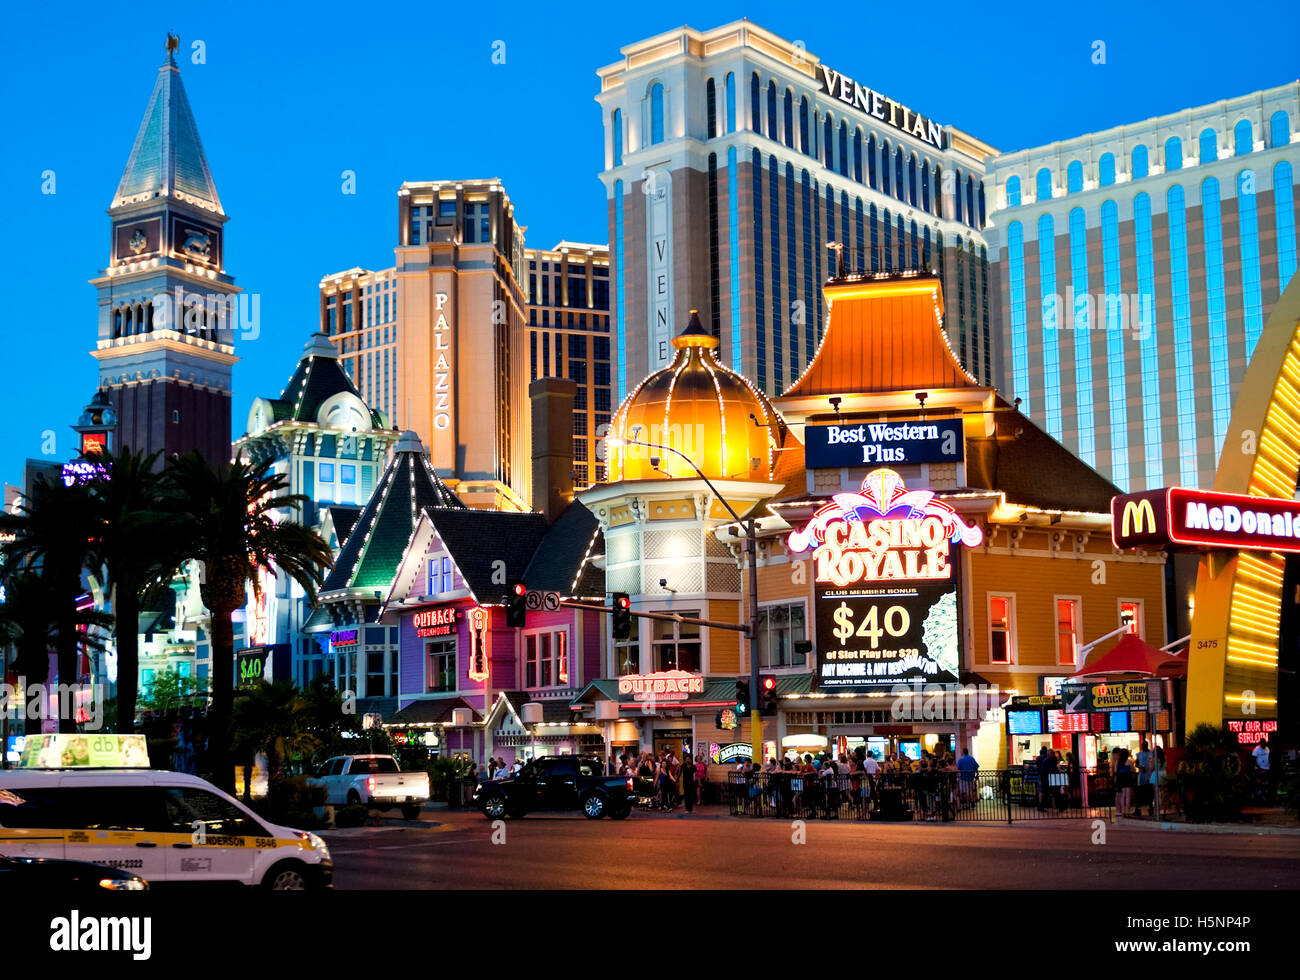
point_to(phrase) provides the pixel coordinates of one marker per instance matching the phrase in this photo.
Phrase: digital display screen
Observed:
(1025, 722)
(1119, 721)
(911, 749)
(1060, 721)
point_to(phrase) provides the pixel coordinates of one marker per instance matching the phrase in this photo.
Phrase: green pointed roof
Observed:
(317, 378)
(374, 547)
(167, 158)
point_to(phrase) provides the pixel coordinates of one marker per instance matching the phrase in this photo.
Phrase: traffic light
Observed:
(622, 616)
(517, 605)
(767, 703)
(742, 697)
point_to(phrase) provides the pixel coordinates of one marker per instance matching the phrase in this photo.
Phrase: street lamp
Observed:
(751, 549)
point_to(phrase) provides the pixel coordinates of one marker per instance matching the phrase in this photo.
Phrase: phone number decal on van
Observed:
(121, 865)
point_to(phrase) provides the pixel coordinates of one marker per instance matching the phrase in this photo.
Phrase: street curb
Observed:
(1227, 828)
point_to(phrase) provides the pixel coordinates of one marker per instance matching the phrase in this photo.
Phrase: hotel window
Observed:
(772, 132)
(375, 674)
(1115, 344)
(1106, 169)
(857, 155)
(777, 629)
(447, 207)
(970, 201)
(925, 188)
(1209, 151)
(1067, 632)
(1044, 188)
(1013, 191)
(828, 138)
(1082, 326)
(1248, 234)
(956, 196)
(656, 113)
(1130, 615)
(677, 653)
(1284, 209)
(1050, 325)
(899, 189)
(911, 180)
(887, 248)
(1074, 177)
(755, 105)
(1215, 306)
(788, 109)
(1150, 355)
(616, 124)
(1173, 154)
(711, 107)
(871, 160)
(440, 656)
(731, 102)
(844, 149)
(1181, 314)
(804, 146)
(760, 332)
(627, 653)
(1279, 125)
(778, 346)
(980, 194)
(1002, 637)
(1139, 165)
(884, 167)
(1243, 137)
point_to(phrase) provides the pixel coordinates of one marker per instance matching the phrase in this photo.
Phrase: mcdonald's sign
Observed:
(1139, 520)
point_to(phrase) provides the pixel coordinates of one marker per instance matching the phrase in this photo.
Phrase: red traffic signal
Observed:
(767, 702)
(520, 589)
(769, 683)
(623, 602)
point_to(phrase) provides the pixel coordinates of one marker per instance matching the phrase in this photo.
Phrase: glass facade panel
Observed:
(1019, 333)
(1050, 326)
(1044, 187)
(1074, 177)
(1150, 350)
(1279, 129)
(1243, 138)
(1209, 146)
(1248, 235)
(1082, 324)
(1216, 307)
(1106, 169)
(1181, 315)
(1140, 164)
(1115, 344)
(1284, 209)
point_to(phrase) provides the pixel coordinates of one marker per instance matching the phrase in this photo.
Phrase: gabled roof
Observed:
(317, 378)
(343, 518)
(885, 334)
(430, 711)
(478, 539)
(373, 550)
(559, 564)
(167, 157)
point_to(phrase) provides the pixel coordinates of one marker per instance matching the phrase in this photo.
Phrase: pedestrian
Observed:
(1145, 792)
(1040, 767)
(701, 778)
(688, 783)
(1125, 780)
(967, 768)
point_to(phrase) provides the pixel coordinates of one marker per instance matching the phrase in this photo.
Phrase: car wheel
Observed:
(411, 813)
(494, 807)
(593, 806)
(287, 876)
(354, 798)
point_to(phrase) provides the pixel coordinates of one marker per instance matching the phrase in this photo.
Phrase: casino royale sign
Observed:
(873, 443)
(886, 585)
(1179, 518)
(881, 107)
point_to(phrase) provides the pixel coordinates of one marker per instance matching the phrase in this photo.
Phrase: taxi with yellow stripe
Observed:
(165, 827)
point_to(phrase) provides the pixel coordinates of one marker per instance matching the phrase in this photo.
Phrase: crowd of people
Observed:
(1134, 778)
(662, 779)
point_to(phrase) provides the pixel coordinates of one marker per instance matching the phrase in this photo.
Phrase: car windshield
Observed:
(365, 766)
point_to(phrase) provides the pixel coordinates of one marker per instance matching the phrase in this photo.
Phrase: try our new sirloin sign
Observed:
(878, 443)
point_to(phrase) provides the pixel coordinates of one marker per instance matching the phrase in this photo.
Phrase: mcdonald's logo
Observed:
(1138, 518)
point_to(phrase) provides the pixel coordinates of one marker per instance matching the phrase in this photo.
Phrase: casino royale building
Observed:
(914, 530)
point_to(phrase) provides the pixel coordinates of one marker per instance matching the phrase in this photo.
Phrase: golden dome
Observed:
(701, 408)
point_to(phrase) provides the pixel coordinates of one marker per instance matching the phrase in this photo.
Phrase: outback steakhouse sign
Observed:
(1180, 518)
(440, 621)
(667, 685)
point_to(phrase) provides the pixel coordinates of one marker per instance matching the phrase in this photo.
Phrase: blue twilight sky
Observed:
(293, 94)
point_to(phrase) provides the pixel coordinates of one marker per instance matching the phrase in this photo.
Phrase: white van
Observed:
(163, 826)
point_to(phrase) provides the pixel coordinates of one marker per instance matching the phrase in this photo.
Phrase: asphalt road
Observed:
(455, 849)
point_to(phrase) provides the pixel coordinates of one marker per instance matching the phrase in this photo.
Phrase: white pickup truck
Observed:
(372, 780)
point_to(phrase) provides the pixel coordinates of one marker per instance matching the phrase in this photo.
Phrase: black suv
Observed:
(562, 782)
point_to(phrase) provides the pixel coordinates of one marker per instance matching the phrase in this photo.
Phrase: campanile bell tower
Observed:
(167, 308)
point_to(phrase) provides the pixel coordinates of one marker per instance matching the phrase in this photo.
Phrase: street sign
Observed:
(548, 601)
(1155, 696)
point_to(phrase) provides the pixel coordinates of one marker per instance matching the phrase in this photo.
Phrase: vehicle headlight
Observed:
(124, 884)
(318, 842)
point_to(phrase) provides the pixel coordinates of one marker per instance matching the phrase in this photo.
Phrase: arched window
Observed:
(1044, 189)
(1279, 129)
(925, 187)
(902, 245)
(938, 190)
(1243, 137)
(656, 113)
(871, 162)
(857, 155)
(886, 244)
(755, 104)
(789, 118)
(1284, 215)
(1173, 154)
(803, 126)
(911, 180)
(970, 200)
(1013, 191)
(981, 197)
(914, 248)
(1140, 163)
(875, 240)
(956, 196)
(616, 126)
(1074, 177)
(1209, 151)
(731, 102)
(828, 138)
(711, 107)
(844, 149)
(772, 132)
(925, 249)
(900, 191)
(884, 167)
(1106, 169)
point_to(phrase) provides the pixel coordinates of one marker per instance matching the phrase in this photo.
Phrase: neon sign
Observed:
(1250, 731)
(440, 621)
(1179, 517)
(665, 685)
(478, 661)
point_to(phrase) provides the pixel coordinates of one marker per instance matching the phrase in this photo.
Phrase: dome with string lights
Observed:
(697, 408)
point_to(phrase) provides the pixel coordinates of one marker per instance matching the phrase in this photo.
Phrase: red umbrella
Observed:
(1131, 655)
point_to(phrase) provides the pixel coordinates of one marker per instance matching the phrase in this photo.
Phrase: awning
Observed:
(430, 712)
(1132, 655)
(805, 742)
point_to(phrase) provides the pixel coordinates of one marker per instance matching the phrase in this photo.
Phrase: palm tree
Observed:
(52, 534)
(227, 521)
(272, 717)
(136, 543)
